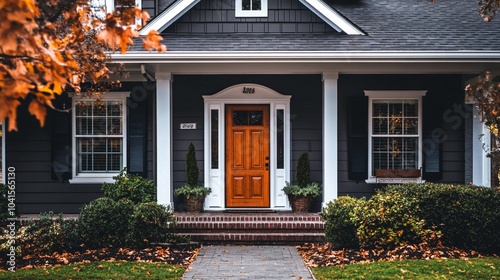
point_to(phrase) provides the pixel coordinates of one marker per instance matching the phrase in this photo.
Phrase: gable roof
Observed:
(390, 26)
(318, 7)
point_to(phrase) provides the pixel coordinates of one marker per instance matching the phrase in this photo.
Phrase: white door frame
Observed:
(246, 94)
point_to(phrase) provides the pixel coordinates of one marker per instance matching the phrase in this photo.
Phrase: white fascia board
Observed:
(332, 17)
(169, 16)
(304, 56)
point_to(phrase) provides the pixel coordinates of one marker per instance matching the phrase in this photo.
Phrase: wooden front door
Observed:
(247, 156)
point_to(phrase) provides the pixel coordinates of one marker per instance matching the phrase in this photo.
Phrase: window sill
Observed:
(92, 180)
(375, 180)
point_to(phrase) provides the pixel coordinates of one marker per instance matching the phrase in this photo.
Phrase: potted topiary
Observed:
(194, 195)
(301, 194)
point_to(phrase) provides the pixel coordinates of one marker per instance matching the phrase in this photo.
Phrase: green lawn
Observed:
(481, 268)
(99, 270)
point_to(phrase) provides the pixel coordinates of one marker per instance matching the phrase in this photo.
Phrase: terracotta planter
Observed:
(194, 204)
(300, 204)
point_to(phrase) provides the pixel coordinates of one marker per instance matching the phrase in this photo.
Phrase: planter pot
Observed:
(300, 204)
(194, 204)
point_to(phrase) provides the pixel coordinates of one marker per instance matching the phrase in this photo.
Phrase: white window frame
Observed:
(239, 12)
(390, 94)
(98, 177)
(109, 6)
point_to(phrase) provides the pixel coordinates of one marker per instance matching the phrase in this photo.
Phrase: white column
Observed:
(164, 191)
(481, 164)
(330, 140)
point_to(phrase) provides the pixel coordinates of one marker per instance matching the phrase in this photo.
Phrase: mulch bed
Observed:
(325, 254)
(178, 255)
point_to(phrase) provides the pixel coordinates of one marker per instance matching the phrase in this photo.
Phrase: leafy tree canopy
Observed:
(51, 45)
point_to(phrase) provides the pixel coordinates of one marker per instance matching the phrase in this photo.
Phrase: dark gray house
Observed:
(373, 90)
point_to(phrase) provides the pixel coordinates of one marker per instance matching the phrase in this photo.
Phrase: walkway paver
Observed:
(247, 262)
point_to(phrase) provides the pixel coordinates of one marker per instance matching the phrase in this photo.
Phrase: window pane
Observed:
(246, 5)
(247, 117)
(240, 118)
(380, 108)
(256, 6)
(115, 126)
(255, 118)
(280, 139)
(411, 126)
(380, 126)
(395, 125)
(396, 108)
(215, 138)
(411, 108)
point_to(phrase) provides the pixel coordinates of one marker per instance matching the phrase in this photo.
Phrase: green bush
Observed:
(340, 221)
(130, 186)
(468, 216)
(390, 220)
(50, 234)
(150, 222)
(104, 222)
(4, 202)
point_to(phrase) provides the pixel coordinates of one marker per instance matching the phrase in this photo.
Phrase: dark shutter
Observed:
(61, 144)
(357, 145)
(433, 134)
(136, 138)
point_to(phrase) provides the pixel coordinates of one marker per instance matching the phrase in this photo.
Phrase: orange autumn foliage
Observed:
(48, 46)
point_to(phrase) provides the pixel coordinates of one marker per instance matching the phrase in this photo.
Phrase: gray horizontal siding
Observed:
(284, 16)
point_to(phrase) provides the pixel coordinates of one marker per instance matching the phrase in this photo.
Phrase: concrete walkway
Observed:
(247, 262)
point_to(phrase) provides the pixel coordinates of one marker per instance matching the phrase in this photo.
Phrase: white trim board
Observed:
(215, 177)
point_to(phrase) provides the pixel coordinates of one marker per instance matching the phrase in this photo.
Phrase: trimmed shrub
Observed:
(104, 222)
(468, 216)
(390, 220)
(150, 222)
(50, 234)
(130, 186)
(340, 221)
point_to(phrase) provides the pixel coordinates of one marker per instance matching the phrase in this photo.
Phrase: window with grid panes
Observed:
(99, 136)
(395, 134)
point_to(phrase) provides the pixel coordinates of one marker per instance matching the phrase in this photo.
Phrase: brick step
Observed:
(251, 226)
(224, 218)
(260, 238)
(248, 228)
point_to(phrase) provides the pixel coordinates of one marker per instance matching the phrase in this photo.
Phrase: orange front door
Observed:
(247, 156)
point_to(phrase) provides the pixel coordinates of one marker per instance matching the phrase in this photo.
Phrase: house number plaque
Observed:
(188, 125)
(247, 90)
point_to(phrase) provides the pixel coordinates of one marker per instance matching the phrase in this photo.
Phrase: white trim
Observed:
(311, 56)
(239, 12)
(332, 17)
(393, 94)
(97, 177)
(330, 137)
(481, 162)
(164, 190)
(215, 178)
(169, 16)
